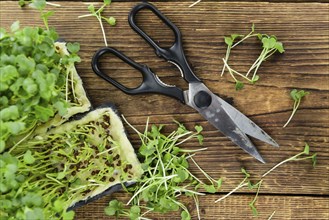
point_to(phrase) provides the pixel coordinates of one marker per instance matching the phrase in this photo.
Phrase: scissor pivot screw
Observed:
(202, 99)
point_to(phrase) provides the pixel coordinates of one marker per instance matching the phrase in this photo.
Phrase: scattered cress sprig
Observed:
(304, 155)
(166, 175)
(40, 5)
(296, 96)
(98, 14)
(270, 45)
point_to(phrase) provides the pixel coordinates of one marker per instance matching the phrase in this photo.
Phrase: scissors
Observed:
(228, 120)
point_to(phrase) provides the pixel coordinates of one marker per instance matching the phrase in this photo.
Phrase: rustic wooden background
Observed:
(295, 190)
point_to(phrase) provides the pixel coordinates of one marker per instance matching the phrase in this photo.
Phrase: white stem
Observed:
(259, 63)
(141, 189)
(190, 191)
(228, 194)
(229, 70)
(246, 37)
(87, 15)
(292, 113)
(194, 3)
(196, 200)
(279, 164)
(20, 141)
(226, 59)
(103, 31)
(196, 178)
(53, 4)
(269, 218)
(192, 151)
(254, 64)
(202, 171)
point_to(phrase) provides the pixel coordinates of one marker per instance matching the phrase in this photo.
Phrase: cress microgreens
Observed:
(270, 45)
(36, 81)
(98, 14)
(166, 175)
(296, 96)
(61, 168)
(304, 155)
(40, 5)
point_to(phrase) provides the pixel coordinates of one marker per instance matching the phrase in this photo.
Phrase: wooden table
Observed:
(296, 190)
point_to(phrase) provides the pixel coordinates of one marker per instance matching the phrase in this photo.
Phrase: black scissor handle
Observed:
(150, 84)
(175, 53)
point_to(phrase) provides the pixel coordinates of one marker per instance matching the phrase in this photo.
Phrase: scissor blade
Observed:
(246, 125)
(220, 119)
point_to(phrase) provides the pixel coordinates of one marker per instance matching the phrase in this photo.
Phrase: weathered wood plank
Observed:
(303, 28)
(233, 207)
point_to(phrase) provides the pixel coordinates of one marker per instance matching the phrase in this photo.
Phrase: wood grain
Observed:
(233, 207)
(304, 30)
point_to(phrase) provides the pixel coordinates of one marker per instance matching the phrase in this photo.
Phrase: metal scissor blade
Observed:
(219, 118)
(246, 125)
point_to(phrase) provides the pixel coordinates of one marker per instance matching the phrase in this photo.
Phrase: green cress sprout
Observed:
(296, 96)
(98, 14)
(62, 167)
(304, 155)
(36, 79)
(166, 176)
(40, 5)
(270, 45)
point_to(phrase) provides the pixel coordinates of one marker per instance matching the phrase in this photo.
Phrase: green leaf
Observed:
(14, 27)
(198, 128)
(238, 85)
(255, 78)
(43, 113)
(8, 73)
(306, 149)
(14, 127)
(235, 36)
(26, 65)
(228, 41)
(61, 175)
(28, 157)
(61, 107)
(9, 113)
(182, 175)
(146, 150)
(116, 205)
(134, 212)
(73, 47)
(68, 215)
(21, 3)
(46, 15)
(185, 215)
(269, 42)
(30, 86)
(111, 21)
(210, 188)
(244, 171)
(253, 208)
(58, 205)
(91, 8)
(279, 47)
(219, 183)
(110, 210)
(107, 2)
(38, 4)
